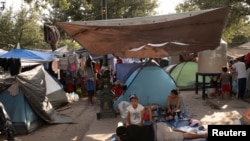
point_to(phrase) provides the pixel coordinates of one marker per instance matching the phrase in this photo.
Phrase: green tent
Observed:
(184, 75)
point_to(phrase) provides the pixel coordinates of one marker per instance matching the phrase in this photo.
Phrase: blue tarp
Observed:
(28, 54)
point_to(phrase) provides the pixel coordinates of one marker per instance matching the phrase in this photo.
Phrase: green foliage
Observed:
(72, 45)
(21, 27)
(26, 26)
(237, 27)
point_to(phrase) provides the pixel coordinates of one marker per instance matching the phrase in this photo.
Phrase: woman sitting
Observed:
(173, 105)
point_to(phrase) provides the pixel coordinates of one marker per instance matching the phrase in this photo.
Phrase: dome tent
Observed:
(30, 102)
(184, 74)
(151, 83)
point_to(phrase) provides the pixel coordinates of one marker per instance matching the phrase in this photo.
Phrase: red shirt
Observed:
(146, 117)
(70, 87)
(117, 90)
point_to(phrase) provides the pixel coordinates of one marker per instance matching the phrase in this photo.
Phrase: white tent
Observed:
(2, 52)
(239, 51)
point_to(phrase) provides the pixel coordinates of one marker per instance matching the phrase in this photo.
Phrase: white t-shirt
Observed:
(240, 68)
(135, 114)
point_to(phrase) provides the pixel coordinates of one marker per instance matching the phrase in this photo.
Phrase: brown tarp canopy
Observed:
(152, 36)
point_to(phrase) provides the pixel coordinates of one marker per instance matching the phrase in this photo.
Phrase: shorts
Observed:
(91, 93)
(165, 133)
(225, 88)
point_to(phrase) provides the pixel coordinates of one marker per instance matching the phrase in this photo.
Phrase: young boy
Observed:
(134, 111)
(225, 83)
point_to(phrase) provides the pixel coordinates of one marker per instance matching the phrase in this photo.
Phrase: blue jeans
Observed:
(241, 87)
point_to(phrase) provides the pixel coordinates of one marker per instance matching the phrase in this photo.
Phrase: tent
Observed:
(169, 67)
(2, 52)
(28, 101)
(124, 70)
(24, 119)
(184, 74)
(150, 83)
(160, 36)
(54, 91)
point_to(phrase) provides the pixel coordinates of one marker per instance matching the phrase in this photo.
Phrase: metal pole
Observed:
(104, 7)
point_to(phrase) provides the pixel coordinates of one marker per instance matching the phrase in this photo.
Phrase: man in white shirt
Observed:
(240, 68)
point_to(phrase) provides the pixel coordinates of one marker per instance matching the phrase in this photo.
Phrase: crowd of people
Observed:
(233, 79)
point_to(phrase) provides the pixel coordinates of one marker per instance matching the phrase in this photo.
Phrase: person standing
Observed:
(90, 86)
(225, 83)
(240, 68)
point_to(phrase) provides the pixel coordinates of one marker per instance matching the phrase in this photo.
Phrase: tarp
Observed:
(60, 51)
(24, 119)
(152, 36)
(237, 52)
(28, 55)
(150, 83)
(28, 103)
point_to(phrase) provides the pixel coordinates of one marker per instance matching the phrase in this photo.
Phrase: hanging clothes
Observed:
(51, 36)
(14, 66)
(63, 63)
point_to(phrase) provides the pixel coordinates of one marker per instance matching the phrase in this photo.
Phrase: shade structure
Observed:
(241, 50)
(151, 36)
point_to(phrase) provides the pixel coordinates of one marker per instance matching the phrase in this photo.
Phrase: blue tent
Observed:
(150, 83)
(124, 70)
(28, 55)
(29, 100)
(24, 119)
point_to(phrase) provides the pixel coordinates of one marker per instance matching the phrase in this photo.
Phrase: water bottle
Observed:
(176, 119)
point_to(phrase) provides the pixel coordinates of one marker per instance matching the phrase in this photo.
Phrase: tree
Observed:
(85, 10)
(21, 27)
(237, 27)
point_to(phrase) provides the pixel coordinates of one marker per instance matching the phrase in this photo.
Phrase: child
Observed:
(134, 111)
(147, 116)
(70, 85)
(225, 83)
(117, 89)
(90, 89)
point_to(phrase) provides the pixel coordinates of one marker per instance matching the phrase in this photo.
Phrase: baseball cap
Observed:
(133, 96)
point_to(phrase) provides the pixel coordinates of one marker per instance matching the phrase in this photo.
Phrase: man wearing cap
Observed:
(134, 111)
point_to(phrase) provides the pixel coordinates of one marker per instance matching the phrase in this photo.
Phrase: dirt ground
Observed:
(88, 128)
(82, 114)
